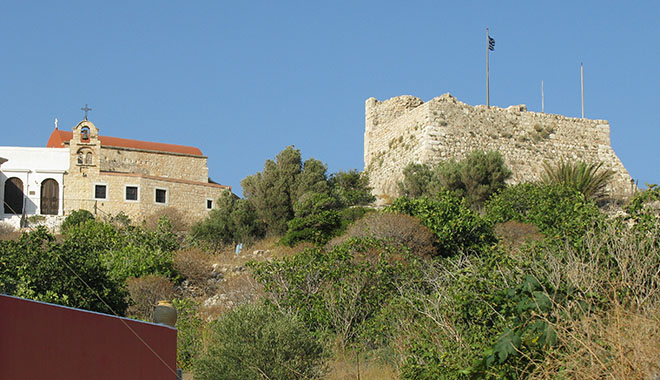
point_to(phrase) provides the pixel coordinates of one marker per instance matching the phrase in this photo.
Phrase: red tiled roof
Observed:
(58, 138)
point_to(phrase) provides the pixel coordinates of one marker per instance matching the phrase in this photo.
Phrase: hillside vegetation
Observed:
(464, 277)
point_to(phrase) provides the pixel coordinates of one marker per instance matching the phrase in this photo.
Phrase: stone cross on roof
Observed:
(86, 109)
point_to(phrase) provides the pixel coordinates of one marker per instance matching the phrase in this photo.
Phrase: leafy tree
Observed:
(232, 221)
(316, 219)
(417, 181)
(37, 267)
(457, 228)
(273, 191)
(351, 188)
(312, 178)
(475, 178)
(257, 342)
(589, 179)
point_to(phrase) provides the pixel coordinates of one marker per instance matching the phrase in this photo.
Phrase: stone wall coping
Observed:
(175, 180)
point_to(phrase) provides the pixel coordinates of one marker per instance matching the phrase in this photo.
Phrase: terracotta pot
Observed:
(165, 313)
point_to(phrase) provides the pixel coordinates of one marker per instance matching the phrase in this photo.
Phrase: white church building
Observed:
(31, 182)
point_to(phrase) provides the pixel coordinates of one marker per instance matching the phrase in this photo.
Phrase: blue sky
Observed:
(242, 80)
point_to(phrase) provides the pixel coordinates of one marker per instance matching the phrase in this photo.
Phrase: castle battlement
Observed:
(405, 129)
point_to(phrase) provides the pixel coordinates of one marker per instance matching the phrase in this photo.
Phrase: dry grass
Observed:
(178, 220)
(621, 271)
(348, 366)
(7, 232)
(397, 228)
(145, 292)
(620, 344)
(516, 234)
(194, 265)
(234, 290)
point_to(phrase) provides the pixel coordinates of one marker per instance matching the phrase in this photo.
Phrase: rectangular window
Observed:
(100, 192)
(131, 193)
(161, 196)
(209, 204)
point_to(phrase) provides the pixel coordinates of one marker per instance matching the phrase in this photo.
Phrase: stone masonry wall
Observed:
(169, 165)
(186, 196)
(404, 129)
(183, 177)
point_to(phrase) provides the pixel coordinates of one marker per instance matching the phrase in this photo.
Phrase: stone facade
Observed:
(136, 179)
(405, 129)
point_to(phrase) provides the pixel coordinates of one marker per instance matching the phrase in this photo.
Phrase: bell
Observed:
(165, 313)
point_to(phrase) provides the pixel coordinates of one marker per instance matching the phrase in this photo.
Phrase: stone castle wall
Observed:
(404, 129)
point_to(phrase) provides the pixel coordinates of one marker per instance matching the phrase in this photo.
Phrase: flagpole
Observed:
(487, 69)
(542, 98)
(582, 86)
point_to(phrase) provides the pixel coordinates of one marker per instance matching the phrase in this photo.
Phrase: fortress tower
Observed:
(404, 129)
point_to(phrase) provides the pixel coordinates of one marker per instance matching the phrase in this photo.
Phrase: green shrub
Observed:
(257, 342)
(418, 181)
(475, 178)
(556, 210)
(351, 188)
(316, 219)
(232, 221)
(131, 251)
(458, 229)
(76, 217)
(189, 333)
(37, 267)
(341, 290)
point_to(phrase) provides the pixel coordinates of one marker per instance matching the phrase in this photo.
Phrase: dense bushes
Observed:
(340, 291)
(257, 342)
(556, 210)
(37, 267)
(127, 250)
(474, 178)
(395, 228)
(458, 229)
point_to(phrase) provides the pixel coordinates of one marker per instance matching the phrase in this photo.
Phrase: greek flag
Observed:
(491, 44)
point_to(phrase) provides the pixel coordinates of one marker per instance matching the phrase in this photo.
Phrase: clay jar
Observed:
(165, 313)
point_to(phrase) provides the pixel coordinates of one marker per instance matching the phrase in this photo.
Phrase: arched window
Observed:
(50, 200)
(14, 196)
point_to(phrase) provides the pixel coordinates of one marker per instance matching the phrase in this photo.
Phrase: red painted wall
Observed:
(45, 341)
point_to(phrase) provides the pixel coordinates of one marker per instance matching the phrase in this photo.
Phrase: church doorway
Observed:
(14, 196)
(50, 201)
